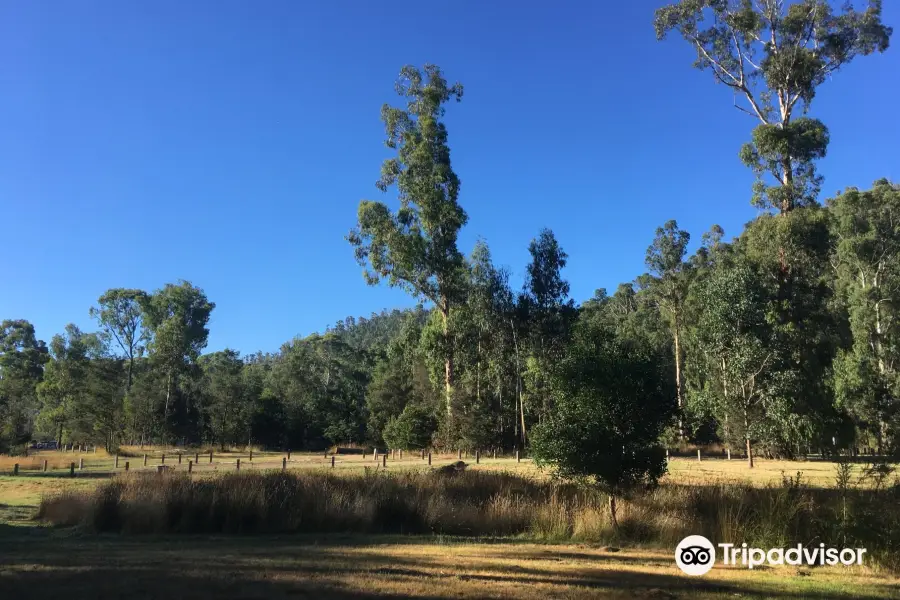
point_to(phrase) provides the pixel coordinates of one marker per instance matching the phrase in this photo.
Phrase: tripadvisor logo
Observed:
(696, 555)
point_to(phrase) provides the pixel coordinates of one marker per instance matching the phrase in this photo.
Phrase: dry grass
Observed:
(379, 567)
(483, 504)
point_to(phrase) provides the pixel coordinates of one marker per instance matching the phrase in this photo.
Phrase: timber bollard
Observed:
(429, 459)
(45, 465)
(401, 453)
(477, 457)
(698, 456)
(81, 464)
(163, 459)
(190, 466)
(251, 455)
(384, 460)
(196, 458)
(72, 469)
(179, 458)
(145, 460)
(117, 461)
(332, 462)
(210, 456)
(284, 464)
(289, 454)
(127, 464)
(423, 453)
(238, 464)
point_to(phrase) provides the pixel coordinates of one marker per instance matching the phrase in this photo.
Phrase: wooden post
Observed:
(284, 464)
(401, 453)
(458, 454)
(477, 457)
(197, 457)
(117, 461)
(210, 456)
(72, 469)
(384, 460)
(81, 464)
(251, 454)
(127, 464)
(145, 460)
(429, 459)
(332, 462)
(238, 464)
(289, 454)
(518, 460)
(698, 456)
(423, 453)
(163, 459)
(190, 466)
(45, 465)
(375, 454)
(179, 458)
(15, 469)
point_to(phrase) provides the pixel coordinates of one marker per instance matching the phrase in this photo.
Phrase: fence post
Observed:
(289, 454)
(698, 456)
(145, 460)
(179, 458)
(477, 457)
(210, 456)
(251, 454)
(16, 469)
(384, 460)
(117, 461)
(423, 453)
(127, 464)
(45, 465)
(283, 464)
(429, 459)
(332, 462)
(238, 464)
(163, 459)
(72, 469)
(190, 466)
(81, 464)
(517, 457)
(197, 457)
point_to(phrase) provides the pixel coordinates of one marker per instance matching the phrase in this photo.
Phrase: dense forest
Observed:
(782, 339)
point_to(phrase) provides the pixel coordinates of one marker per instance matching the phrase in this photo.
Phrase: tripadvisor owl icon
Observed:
(695, 555)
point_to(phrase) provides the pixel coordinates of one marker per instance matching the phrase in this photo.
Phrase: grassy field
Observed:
(37, 560)
(74, 566)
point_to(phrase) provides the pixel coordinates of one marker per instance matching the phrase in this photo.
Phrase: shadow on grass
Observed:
(344, 567)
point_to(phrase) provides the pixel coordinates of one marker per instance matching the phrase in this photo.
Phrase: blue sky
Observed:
(230, 142)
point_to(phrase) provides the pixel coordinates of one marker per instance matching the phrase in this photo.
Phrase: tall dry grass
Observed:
(485, 504)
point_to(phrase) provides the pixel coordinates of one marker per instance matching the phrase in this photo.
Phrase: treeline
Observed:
(782, 340)
(746, 365)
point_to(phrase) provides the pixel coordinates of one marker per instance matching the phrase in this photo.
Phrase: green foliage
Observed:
(774, 55)
(612, 404)
(412, 429)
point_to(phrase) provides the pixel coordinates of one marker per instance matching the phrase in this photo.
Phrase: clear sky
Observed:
(229, 143)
